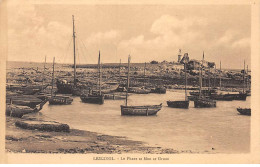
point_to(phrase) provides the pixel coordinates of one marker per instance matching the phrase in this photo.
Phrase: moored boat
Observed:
(244, 111)
(186, 102)
(71, 87)
(114, 96)
(92, 98)
(240, 95)
(138, 90)
(58, 100)
(159, 90)
(24, 100)
(237, 96)
(19, 111)
(221, 97)
(140, 110)
(178, 104)
(203, 101)
(146, 110)
(95, 98)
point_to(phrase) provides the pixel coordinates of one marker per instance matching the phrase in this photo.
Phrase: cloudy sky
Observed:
(147, 32)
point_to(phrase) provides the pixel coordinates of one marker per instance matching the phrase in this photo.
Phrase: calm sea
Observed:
(221, 128)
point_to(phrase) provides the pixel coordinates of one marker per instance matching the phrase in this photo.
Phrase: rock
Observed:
(43, 126)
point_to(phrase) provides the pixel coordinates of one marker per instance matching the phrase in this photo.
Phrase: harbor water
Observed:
(204, 130)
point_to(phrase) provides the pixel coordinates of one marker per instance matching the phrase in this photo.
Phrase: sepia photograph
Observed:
(128, 79)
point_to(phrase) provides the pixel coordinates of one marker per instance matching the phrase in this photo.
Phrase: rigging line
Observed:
(65, 56)
(80, 48)
(83, 54)
(67, 51)
(83, 50)
(86, 50)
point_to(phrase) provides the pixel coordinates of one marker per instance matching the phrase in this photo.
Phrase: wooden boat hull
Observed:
(138, 91)
(158, 90)
(221, 97)
(244, 111)
(178, 104)
(19, 111)
(28, 90)
(24, 100)
(60, 100)
(64, 88)
(239, 96)
(114, 97)
(204, 103)
(140, 110)
(31, 104)
(95, 99)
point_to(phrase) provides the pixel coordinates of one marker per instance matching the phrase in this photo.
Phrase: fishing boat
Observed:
(138, 90)
(203, 101)
(96, 98)
(66, 87)
(23, 100)
(204, 92)
(244, 111)
(221, 97)
(26, 89)
(181, 104)
(145, 110)
(159, 90)
(114, 96)
(58, 100)
(18, 111)
(240, 95)
(237, 96)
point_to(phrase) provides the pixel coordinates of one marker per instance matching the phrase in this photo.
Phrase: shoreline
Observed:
(19, 140)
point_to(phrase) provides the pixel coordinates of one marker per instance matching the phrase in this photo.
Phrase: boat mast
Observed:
(209, 78)
(220, 77)
(215, 77)
(200, 81)
(127, 84)
(205, 84)
(99, 74)
(200, 76)
(52, 77)
(244, 76)
(120, 69)
(43, 77)
(144, 73)
(185, 80)
(247, 79)
(74, 50)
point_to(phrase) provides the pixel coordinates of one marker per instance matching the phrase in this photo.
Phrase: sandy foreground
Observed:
(76, 141)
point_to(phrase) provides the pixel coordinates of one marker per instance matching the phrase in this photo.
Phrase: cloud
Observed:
(100, 37)
(167, 23)
(169, 32)
(32, 36)
(245, 42)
